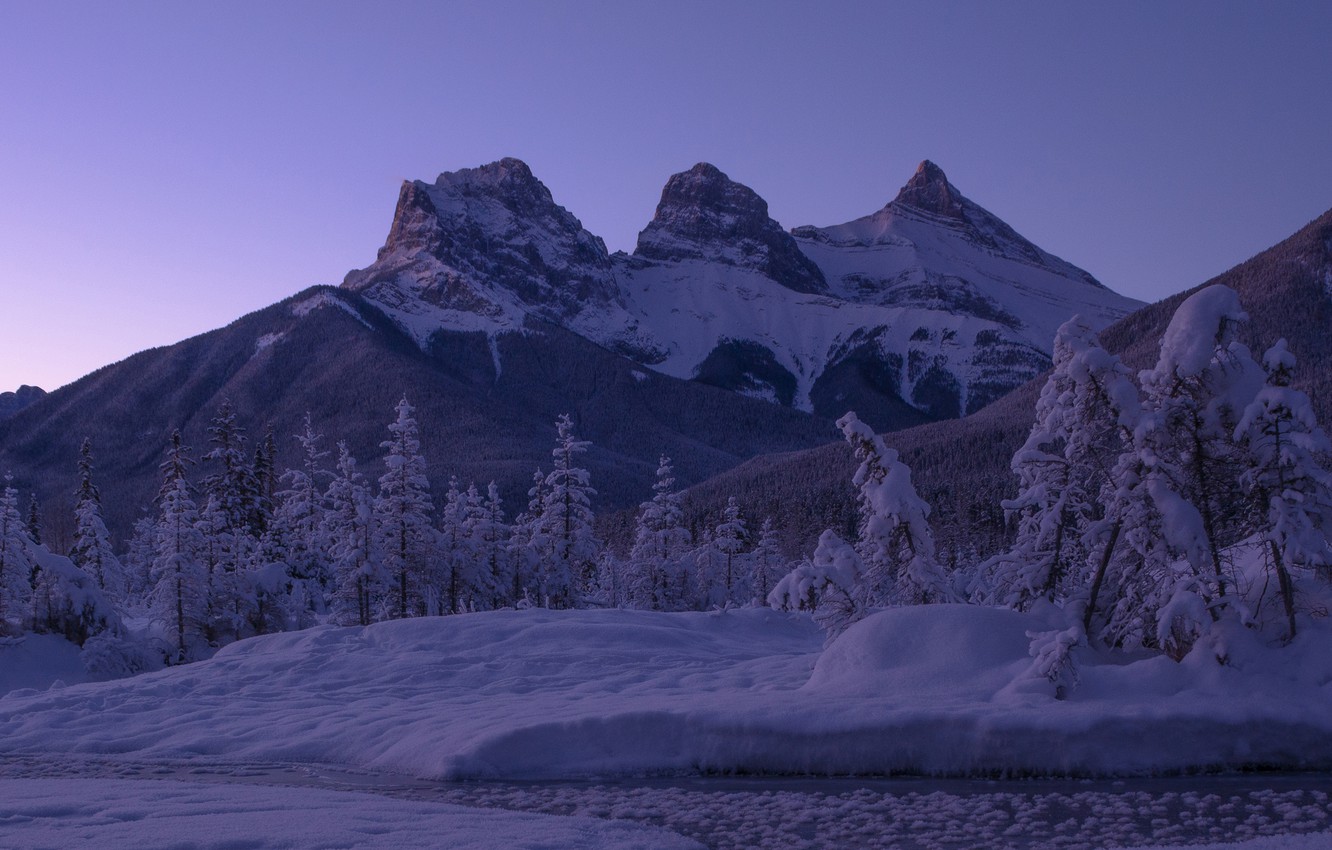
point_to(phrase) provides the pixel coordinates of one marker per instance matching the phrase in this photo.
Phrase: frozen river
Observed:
(808, 812)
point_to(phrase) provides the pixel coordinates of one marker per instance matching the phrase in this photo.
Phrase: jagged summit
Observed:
(929, 190)
(705, 215)
(489, 246)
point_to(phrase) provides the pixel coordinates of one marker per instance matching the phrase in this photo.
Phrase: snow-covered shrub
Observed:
(67, 601)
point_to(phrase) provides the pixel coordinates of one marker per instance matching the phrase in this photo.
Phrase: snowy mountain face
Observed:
(928, 309)
(484, 249)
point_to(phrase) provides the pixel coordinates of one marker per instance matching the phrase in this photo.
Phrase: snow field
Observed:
(942, 689)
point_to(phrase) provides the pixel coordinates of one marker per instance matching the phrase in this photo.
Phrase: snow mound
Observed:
(941, 689)
(959, 651)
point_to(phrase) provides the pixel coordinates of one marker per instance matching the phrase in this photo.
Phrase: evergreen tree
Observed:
(767, 564)
(403, 534)
(722, 576)
(457, 550)
(295, 529)
(16, 561)
(1282, 441)
(896, 544)
(266, 479)
(831, 585)
(655, 577)
(348, 529)
(92, 551)
(1193, 397)
(492, 536)
(566, 523)
(179, 596)
(528, 543)
(34, 519)
(233, 483)
(1084, 420)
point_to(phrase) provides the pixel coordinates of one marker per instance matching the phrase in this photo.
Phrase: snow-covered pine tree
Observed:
(233, 483)
(16, 562)
(403, 533)
(896, 544)
(722, 572)
(1194, 396)
(1282, 441)
(34, 519)
(92, 550)
(179, 595)
(491, 534)
(831, 585)
(457, 554)
(569, 567)
(1084, 420)
(528, 543)
(298, 519)
(265, 480)
(348, 531)
(139, 557)
(67, 601)
(766, 563)
(655, 577)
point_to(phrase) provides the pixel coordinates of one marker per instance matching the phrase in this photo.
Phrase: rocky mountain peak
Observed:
(929, 190)
(705, 215)
(482, 240)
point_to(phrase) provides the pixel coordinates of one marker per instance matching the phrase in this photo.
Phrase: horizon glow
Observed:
(170, 167)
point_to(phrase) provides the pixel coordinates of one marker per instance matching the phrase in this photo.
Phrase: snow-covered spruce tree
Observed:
(655, 577)
(896, 544)
(1281, 440)
(457, 555)
(232, 483)
(1193, 398)
(179, 595)
(722, 573)
(67, 601)
(92, 550)
(265, 480)
(34, 521)
(767, 564)
(569, 566)
(830, 584)
(360, 580)
(491, 534)
(528, 543)
(403, 533)
(16, 562)
(294, 533)
(1061, 469)
(139, 556)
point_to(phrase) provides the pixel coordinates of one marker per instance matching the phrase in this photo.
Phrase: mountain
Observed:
(486, 407)
(930, 308)
(11, 403)
(961, 467)
(494, 310)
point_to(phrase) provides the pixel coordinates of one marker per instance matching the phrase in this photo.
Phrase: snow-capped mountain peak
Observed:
(928, 190)
(485, 249)
(705, 215)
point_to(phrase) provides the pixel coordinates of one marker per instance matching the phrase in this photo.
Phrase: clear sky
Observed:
(166, 167)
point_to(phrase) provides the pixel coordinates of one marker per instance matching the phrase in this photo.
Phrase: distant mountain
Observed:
(962, 467)
(486, 406)
(11, 403)
(930, 308)
(720, 338)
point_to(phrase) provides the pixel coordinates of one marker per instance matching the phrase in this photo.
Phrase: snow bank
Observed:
(936, 689)
(119, 813)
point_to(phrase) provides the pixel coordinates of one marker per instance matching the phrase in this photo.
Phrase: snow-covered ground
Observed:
(63, 813)
(557, 694)
(522, 695)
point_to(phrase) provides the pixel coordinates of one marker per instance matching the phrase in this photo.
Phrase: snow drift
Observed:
(943, 689)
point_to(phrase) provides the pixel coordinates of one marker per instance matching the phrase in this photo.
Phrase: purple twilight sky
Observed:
(167, 167)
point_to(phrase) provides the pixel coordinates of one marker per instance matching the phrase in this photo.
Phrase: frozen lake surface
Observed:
(813, 812)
